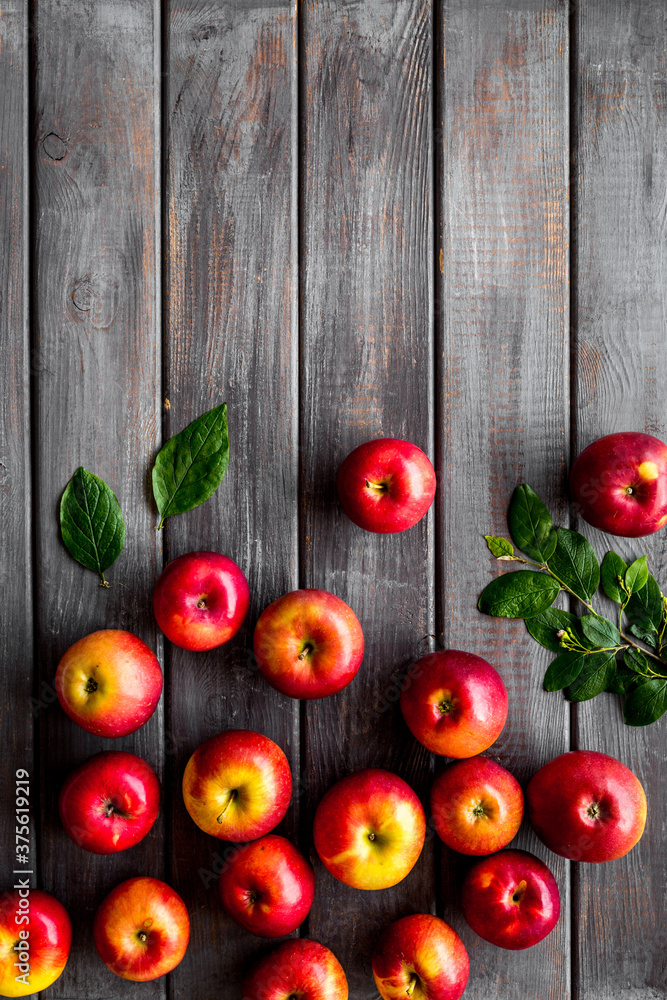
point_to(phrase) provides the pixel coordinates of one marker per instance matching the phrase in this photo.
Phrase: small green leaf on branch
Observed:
(522, 594)
(636, 575)
(612, 574)
(574, 563)
(530, 524)
(499, 547)
(646, 703)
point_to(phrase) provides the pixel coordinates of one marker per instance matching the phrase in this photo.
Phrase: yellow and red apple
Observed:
(141, 929)
(298, 968)
(35, 941)
(422, 957)
(369, 829)
(511, 899)
(308, 644)
(201, 600)
(620, 484)
(477, 806)
(109, 682)
(587, 806)
(454, 703)
(386, 485)
(237, 785)
(267, 887)
(110, 802)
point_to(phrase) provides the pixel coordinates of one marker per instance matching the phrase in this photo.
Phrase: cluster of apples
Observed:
(369, 829)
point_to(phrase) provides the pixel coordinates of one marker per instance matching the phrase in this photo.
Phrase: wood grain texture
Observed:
(231, 335)
(620, 137)
(502, 397)
(97, 356)
(366, 372)
(16, 637)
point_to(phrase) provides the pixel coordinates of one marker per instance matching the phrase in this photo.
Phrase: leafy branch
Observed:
(626, 657)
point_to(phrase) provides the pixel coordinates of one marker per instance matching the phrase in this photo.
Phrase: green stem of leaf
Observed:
(570, 591)
(646, 652)
(103, 581)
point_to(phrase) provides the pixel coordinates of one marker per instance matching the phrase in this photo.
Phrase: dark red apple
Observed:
(369, 829)
(386, 485)
(587, 806)
(454, 703)
(298, 969)
(141, 929)
(35, 940)
(420, 956)
(109, 682)
(308, 644)
(201, 600)
(237, 785)
(477, 806)
(620, 484)
(267, 887)
(110, 802)
(511, 899)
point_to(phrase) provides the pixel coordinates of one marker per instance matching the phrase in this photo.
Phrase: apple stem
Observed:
(410, 988)
(232, 795)
(307, 649)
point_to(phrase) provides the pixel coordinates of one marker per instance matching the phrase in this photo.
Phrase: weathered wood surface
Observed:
(332, 282)
(96, 358)
(502, 389)
(231, 335)
(16, 635)
(366, 371)
(619, 133)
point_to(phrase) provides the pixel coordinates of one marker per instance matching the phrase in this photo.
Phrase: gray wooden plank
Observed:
(502, 393)
(231, 335)
(97, 386)
(620, 199)
(366, 372)
(16, 637)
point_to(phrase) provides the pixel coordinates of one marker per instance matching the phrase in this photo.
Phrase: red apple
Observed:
(587, 806)
(369, 829)
(267, 887)
(420, 956)
(141, 929)
(109, 682)
(511, 899)
(308, 644)
(298, 968)
(477, 806)
(620, 484)
(110, 802)
(386, 485)
(35, 939)
(237, 785)
(200, 600)
(454, 703)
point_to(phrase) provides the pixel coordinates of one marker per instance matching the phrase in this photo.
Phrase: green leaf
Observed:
(635, 660)
(600, 631)
(597, 672)
(636, 575)
(522, 594)
(645, 607)
(499, 547)
(622, 681)
(612, 572)
(191, 465)
(575, 563)
(91, 522)
(646, 703)
(544, 627)
(563, 670)
(647, 635)
(530, 524)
